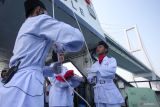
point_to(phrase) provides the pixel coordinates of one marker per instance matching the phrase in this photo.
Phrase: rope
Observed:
(84, 38)
(77, 93)
(73, 88)
(89, 56)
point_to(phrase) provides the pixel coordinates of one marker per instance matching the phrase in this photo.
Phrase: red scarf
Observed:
(67, 75)
(100, 58)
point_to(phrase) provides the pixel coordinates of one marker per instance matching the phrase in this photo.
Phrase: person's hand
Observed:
(61, 57)
(69, 74)
(94, 80)
(60, 78)
(57, 67)
(58, 48)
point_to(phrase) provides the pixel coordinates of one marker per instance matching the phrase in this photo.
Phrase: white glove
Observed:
(92, 79)
(57, 67)
(58, 48)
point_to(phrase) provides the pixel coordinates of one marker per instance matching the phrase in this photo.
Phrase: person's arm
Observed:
(73, 81)
(90, 78)
(66, 37)
(48, 71)
(108, 69)
(59, 79)
(77, 78)
(61, 84)
(92, 74)
(76, 81)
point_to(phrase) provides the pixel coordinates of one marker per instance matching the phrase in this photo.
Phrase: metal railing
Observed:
(150, 82)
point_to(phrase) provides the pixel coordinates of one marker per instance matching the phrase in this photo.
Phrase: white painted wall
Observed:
(80, 7)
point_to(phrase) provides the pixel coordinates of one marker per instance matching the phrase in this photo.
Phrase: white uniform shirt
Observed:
(34, 40)
(105, 92)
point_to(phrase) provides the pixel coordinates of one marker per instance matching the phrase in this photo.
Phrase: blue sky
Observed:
(118, 14)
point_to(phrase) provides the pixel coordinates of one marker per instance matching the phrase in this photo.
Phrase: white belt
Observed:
(103, 81)
(37, 68)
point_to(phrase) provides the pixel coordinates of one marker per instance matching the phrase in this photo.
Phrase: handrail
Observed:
(149, 81)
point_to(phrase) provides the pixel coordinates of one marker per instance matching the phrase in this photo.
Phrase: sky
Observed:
(117, 15)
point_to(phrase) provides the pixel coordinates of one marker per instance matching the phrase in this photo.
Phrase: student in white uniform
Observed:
(61, 94)
(36, 36)
(102, 74)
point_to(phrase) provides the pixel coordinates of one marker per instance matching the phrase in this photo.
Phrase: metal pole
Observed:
(145, 52)
(150, 85)
(127, 38)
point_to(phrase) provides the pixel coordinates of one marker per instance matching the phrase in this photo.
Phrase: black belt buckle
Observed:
(94, 81)
(102, 81)
(10, 73)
